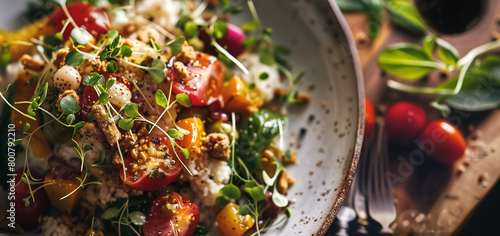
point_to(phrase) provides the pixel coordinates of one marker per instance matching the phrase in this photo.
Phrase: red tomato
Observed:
(204, 82)
(442, 141)
(152, 166)
(27, 216)
(196, 129)
(169, 213)
(404, 121)
(369, 119)
(88, 99)
(93, 19)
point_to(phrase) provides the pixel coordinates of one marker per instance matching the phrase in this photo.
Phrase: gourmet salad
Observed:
(152, 117)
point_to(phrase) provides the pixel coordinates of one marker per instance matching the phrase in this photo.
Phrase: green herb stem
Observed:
(231, 57)
(415, 89)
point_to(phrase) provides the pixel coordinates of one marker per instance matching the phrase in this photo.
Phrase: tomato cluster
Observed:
(406, 123)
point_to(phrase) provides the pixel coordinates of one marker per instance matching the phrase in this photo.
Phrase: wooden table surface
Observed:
(432, 197)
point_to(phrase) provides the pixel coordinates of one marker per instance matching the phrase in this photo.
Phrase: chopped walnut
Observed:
(60, 57)
(147, 33)
(187, 53)
(216, 145)
(181, 69)
(71, 93)
(128, 141)
(98, 65)
(107, 126)
(31, 64)
(90, 130)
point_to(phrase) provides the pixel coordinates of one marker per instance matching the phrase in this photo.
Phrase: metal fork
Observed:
(380, 200)
(359, 189)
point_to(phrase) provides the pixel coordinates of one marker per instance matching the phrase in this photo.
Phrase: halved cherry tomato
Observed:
(192, 141)
(231, 223)
(169, 214)
(404, 121)
(204, 80)
(239, 98)
(442, 141)
(96, 21)
(61, 181)
(369, 119)
(152, 166)
(27, 216)
(87, 100)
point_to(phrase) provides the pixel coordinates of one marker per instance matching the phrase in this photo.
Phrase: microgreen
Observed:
(74, 58)
(91, 79)
(112, 67)
(176, 45)
(131, 110)
(219, 30)
(173, 133)
(161, 99)
(230, 191)
(5, 56)
(190, 29)
(69, 105)
(184, 100)
(81, 35)
(126, 51)
(126, 124)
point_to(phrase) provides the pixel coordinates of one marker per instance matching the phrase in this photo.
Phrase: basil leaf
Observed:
(406, 61)
(405, 16)
(447, 52)
(257, 132)
(428, 45)
(375, 17)
(351, 5)
(481, 88)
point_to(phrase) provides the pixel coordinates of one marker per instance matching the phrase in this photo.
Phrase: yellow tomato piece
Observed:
(35, 30)
(231, 223)
(239, 98)
(24, 91)
(192, 141)
(57, 188)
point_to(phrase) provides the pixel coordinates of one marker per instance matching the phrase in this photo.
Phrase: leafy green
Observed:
(405, 16)
(69, 105)
(74, 58)
(161, 99)
(375, 17)
(257, 132)
(91, 79)
(351, 5)
(481, 88)
(157, 71)
(231, 191)
(407, 61)
(176, 45)
(184, 100)
(220, 29)
(447, 52)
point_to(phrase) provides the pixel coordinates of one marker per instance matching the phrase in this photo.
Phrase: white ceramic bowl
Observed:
(333, 122)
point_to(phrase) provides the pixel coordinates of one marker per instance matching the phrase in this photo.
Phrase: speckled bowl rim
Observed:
(361, 120)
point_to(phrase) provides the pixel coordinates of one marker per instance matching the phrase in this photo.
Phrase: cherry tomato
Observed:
(442, 141)
(204, 80)
(27, 216)
(231, 223)
(94, 20)
(87, 100)
(369, 119)
(404, 121)
(169, 214)
(192, 141)
(152, 166)
(239, 98)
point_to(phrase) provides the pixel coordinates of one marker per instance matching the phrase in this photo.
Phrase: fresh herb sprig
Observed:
(401, 13)
(412, 62)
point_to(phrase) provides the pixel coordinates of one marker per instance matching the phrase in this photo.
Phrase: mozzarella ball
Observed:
(66, 78)
(119, 94)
